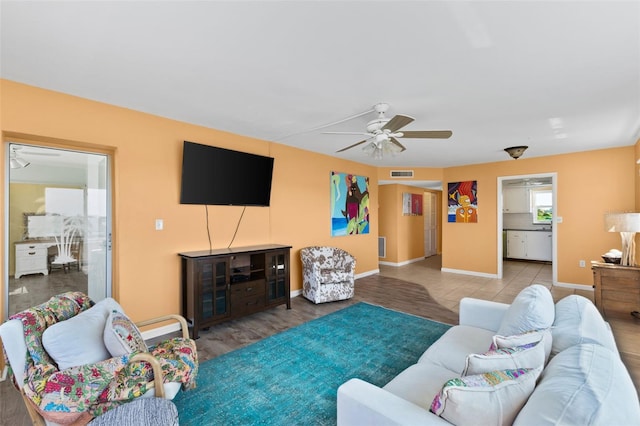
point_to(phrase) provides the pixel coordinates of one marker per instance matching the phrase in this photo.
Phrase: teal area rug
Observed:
(292, 378)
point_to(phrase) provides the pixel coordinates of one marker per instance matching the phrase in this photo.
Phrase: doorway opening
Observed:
(527, 218)
(58, 226)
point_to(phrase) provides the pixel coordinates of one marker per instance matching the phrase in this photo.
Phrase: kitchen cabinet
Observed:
(516, 200)
(529, 245)
(516, 245)
(539, 245)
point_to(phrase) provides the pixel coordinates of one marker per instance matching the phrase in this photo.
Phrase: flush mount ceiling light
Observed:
(16, 162)
(516, 151)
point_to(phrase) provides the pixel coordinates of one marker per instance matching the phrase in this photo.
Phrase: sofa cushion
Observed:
(532, 309)
(529, 355)
(578, 321)
(451, 349)
(583, 385)
(78, 340)
(419, 383)
(121, 336)
(495, 397)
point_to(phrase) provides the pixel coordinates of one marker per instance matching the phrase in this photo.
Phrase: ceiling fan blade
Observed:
(397, 142)
(428, 134)
(46, 154)
(397, 122)
(351, 146)
(348, 133)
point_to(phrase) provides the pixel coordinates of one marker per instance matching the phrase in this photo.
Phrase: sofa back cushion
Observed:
(532, 309)
(578, 321)
(583, 385)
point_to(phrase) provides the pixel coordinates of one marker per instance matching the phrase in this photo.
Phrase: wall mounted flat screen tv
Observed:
(218, 176)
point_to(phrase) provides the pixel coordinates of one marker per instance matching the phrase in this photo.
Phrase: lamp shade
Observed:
(516, 151)
(622, 222)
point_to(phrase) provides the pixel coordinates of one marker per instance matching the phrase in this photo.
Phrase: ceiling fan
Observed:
(15, 161)
(382, 133)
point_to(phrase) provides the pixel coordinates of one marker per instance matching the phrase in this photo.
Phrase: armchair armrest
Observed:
(183, 323)
(362, 403)
(147, 357)
(157, 371)
(482, 313)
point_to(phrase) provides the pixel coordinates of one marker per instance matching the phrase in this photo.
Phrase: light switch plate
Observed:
(159, 224)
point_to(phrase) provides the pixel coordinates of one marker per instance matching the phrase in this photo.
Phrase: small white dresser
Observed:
(31, 258)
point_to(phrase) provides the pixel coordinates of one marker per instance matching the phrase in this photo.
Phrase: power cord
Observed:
(237, 226)
(206, 212)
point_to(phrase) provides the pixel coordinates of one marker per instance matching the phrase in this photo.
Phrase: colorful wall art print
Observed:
(463, 202)
(411, 204)
(349, 204)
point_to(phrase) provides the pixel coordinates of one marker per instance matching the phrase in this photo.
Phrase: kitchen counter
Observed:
(530, 230)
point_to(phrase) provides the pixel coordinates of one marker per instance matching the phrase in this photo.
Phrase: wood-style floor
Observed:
(419, 288)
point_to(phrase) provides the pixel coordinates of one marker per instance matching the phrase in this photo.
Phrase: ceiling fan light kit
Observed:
(16, 162)
(516, 151)
(382, 133)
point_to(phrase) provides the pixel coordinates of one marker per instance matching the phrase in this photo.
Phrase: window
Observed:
(542, 203)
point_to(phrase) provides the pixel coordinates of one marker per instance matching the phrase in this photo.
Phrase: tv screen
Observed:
(218, 176)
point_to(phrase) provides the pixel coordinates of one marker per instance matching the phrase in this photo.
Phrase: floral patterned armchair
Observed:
(328, 274)
(74, 395)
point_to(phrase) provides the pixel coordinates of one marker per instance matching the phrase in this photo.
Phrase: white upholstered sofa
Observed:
(581, 381)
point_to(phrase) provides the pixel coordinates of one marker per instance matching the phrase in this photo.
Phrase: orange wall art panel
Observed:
(463, 202)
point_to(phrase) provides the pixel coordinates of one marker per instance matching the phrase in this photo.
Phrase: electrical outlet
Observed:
(583, 264)
(159, 224)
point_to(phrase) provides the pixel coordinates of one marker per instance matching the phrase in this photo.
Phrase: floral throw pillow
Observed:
(121, 336)
(497, 397)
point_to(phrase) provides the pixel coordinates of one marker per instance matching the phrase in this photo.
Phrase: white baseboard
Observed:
(398, 264)
(368, 273)
(473, 273)
(575, 286)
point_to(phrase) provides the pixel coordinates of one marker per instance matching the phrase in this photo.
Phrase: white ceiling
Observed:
(559, 76)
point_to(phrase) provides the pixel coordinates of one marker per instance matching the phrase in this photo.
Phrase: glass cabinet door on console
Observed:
(278, 277)
(213, 278)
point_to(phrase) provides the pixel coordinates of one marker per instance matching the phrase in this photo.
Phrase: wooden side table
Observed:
(617, 289)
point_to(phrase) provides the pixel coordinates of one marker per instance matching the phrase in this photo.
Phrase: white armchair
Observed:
(328, 274)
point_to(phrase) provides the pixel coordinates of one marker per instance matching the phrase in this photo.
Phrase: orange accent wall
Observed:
(637, 175)
(147, 152)
(589, 184)
(404, 234)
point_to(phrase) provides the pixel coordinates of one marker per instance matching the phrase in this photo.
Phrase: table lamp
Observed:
(627, 224)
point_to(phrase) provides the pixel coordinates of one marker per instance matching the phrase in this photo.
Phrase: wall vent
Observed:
(382, 246)
(401, 173)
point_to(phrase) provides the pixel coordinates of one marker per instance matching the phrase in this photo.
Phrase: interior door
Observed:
(58, 201)
(430, 224)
